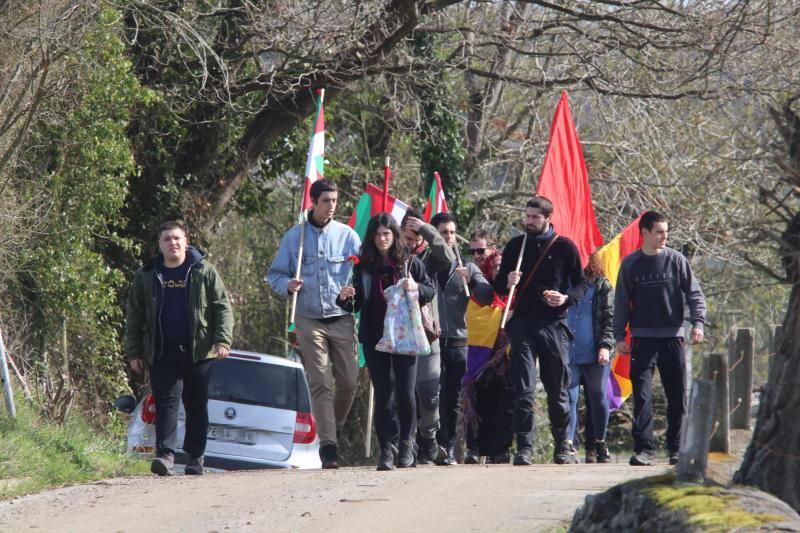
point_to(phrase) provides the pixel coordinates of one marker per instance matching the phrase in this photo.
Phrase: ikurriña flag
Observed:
(315, 164)
(370, 204)
(437, 203)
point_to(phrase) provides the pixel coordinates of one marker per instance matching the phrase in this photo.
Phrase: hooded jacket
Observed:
(210, 312)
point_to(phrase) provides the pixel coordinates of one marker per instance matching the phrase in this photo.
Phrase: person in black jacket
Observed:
(537, 328)
(381, 265)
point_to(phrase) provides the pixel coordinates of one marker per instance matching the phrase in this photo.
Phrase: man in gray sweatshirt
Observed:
(649, 298)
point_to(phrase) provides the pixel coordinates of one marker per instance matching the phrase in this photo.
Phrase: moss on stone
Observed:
(707, 507)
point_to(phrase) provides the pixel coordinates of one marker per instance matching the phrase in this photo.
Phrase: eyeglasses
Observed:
(477, 251)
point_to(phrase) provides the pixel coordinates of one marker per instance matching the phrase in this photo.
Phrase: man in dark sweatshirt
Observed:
(649, 298)
(538, 327)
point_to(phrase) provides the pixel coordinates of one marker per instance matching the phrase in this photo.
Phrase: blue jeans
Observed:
(595, 381)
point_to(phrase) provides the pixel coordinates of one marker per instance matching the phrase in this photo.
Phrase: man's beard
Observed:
(532, 231)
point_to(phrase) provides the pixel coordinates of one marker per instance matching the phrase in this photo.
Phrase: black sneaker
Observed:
(673, 458)
(523, 457)
(194, 467)
(502, 459)
(387, 457)
(642, 459)
(428, 451)
(405, 456)
(329, 455)
(565, 454)
(473, 457)
(601, 451)
(591, 453)
(445, 457)
(163, 464)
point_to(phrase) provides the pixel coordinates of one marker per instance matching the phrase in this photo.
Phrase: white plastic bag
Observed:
(402, 328)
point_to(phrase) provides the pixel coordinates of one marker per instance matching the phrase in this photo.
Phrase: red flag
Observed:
(565, 182)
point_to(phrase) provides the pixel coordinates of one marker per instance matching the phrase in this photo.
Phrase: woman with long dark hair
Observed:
(382, 263)
(590, 353)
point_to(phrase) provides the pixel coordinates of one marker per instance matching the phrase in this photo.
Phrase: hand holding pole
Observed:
(461, 265)
(514, 286)
(297, 273)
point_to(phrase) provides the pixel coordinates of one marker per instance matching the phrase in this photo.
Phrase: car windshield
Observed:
(281, 387)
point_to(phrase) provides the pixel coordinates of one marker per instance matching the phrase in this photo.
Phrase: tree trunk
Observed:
(772, 461)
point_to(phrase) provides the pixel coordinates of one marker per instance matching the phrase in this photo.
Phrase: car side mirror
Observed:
(126, 404)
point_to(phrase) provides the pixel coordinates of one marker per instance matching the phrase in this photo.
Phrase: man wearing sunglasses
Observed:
(484, 252)
(452, 301)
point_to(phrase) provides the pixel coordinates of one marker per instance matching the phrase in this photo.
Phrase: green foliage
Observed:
(441, 144)
(68, 279)
(36, 455)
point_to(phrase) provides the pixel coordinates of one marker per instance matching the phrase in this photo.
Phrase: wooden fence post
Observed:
(776, 337)
(717, 372)
(741, 379)
(693, 456)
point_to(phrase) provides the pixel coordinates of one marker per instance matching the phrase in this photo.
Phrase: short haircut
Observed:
(483, 234)
(542, 204)
(170, 225)
(442, 218)
(319, 187)
(648, 220)
(410, 213)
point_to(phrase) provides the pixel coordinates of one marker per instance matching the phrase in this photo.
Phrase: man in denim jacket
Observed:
(325, 332)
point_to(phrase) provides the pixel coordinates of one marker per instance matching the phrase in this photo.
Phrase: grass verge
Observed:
(37, 455)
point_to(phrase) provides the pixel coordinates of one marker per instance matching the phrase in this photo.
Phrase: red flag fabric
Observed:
(565, 182)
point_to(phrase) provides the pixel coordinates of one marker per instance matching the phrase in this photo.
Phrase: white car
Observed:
(259, 413)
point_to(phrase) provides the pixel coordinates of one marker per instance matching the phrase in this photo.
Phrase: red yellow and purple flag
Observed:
(611, 256)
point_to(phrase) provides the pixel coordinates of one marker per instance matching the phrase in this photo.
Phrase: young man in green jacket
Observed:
(179, 319)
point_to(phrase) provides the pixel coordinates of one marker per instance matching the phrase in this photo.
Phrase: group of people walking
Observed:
(566, 320)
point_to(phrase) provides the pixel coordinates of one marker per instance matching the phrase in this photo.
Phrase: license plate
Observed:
(242, 436)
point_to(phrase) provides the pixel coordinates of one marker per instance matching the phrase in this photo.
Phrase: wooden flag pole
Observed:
(387, 174)
(461, 265)
(514, 286)
(370, 409)
(297, 272)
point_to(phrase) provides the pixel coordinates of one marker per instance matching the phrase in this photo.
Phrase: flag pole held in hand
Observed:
(514, 286)
(297, 273)
(461, 265)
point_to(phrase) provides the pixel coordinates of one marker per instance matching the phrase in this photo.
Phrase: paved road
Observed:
(456, 498)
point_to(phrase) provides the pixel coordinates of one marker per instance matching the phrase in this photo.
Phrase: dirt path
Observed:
(457, 498)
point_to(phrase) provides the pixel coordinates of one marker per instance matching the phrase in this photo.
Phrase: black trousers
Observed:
(547, 340)
(174, 377)
(454, 366)
(383, 367)
(669, 356)
(494, 404)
